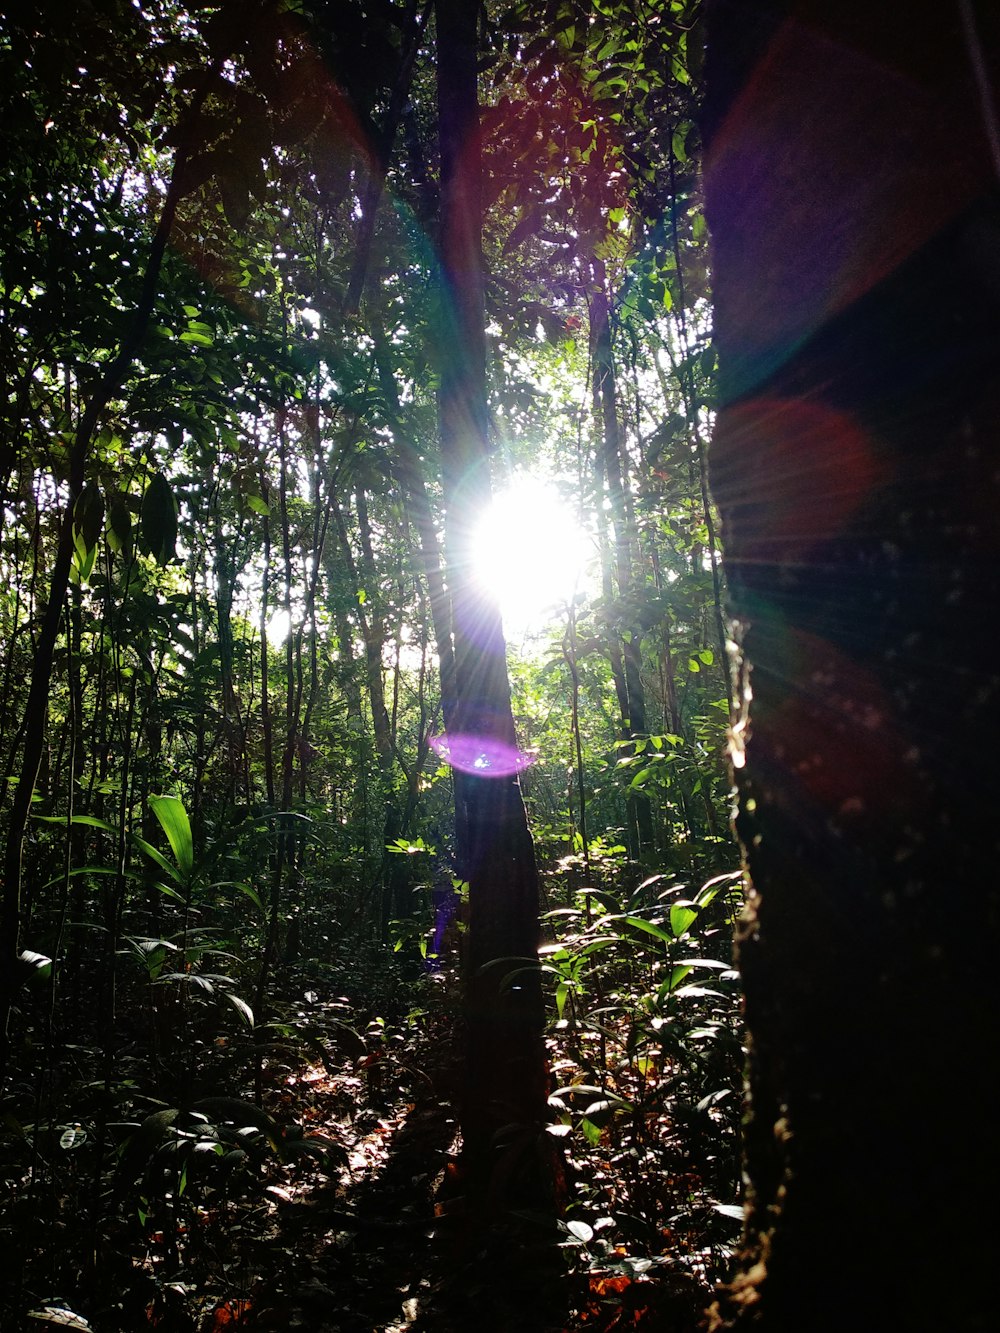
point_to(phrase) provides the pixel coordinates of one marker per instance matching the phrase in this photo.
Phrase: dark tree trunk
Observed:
(855, 215)
(505, 1070)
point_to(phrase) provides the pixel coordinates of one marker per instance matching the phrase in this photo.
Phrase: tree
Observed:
(852, 195)
(225, 360)
(505, 1078)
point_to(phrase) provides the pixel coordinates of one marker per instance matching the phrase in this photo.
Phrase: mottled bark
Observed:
(855, 216)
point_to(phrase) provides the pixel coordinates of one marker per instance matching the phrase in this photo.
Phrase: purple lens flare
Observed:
(482, 756)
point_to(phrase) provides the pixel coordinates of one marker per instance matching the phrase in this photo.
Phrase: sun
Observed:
(532, 553)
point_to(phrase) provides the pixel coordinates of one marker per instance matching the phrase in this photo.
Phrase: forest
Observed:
(428, 426)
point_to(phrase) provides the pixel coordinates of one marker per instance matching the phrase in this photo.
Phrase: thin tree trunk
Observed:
(428, 547)
(36, 707)
(632, 698)
(267, 732)
(506, 1082)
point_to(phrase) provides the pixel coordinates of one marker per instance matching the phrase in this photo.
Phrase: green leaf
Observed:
(156, 855)
(90, 821)
(581, 1230)
(258, 505)
(699, 992)
(681, 918)
(169, 810)
(243, 888)
(40, 961)
(119, 529)
(169, 892)
(713, 887)
(158, 519)
(84, 870)
(707, 656)
(88, 516)
(73, 1136)
(642, 924)
(242, 1115)
(241, 1007)
(677, 975)
(409, 847)
(591, 1132)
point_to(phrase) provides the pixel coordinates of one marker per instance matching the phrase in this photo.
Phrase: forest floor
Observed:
(375, 1239)
(339, 1207)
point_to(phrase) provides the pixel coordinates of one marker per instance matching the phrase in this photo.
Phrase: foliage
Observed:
(238, 857)
(646, 1057)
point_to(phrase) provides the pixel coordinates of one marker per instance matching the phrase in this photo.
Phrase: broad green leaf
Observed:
(243, 1115)
(590, 1088)
(699, 993)
(88, 517)
(681, 918)
(711, 888)
(40, 961)
(119, 529)
(73, 1136)
(642, 924)
(258, 505)
(581, 1230)
(677, 975)
(158, 519)
(591, 1132)
(169, 810)
(607, 1106)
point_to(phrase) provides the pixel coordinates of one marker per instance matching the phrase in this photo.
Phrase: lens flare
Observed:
(482, 756)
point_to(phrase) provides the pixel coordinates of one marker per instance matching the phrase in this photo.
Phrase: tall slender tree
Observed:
(505, 1061)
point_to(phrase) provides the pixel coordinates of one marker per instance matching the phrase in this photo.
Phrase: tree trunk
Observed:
(628, 676)
(505, 1070)
(36, 707)
(853, 203)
